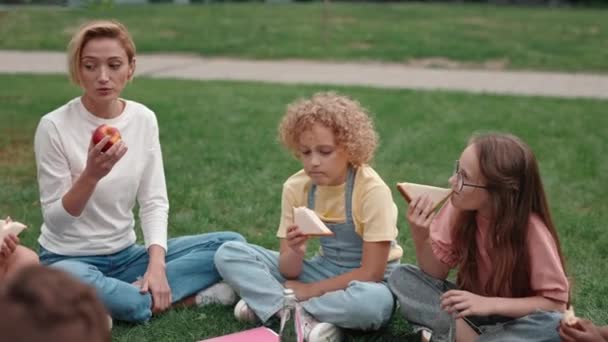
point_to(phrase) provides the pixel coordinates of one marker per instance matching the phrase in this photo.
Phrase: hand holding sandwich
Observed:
(583, 331)
(296, 240)
(7, 246)
(293, 250)
(420, 214)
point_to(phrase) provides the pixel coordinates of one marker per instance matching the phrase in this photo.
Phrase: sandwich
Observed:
(10, 227)
(309, 223)
(437, 195)
(569, 318)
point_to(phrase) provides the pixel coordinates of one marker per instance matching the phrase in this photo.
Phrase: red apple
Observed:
(104, 130)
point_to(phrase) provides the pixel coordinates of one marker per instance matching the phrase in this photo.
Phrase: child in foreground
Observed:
(44, 304)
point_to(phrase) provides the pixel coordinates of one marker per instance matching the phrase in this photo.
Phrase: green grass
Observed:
(225, 169)
(570, 39)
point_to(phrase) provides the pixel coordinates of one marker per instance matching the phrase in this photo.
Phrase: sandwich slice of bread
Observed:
(569, 318)
(10, 227)
(435, 194)
(309, 223)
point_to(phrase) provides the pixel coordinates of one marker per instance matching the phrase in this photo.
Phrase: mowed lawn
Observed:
(225, 168)
(442, 35)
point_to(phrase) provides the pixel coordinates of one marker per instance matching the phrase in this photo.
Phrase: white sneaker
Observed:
(315, 331)
(110, 322)
(220, 293)
(243, 313)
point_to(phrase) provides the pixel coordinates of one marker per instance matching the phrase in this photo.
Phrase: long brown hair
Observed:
(516, 192)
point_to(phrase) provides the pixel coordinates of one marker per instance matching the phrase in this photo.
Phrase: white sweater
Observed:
(107, 221)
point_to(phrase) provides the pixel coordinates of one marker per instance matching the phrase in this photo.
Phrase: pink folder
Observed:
(261, 334)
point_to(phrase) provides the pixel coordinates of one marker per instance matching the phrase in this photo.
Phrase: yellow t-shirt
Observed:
(374, 212)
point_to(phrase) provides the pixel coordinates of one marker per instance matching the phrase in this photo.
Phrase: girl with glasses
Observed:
(496, 231)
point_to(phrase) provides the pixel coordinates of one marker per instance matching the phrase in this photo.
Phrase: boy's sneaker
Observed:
(243, 313)
(220, 293)
(315, 331)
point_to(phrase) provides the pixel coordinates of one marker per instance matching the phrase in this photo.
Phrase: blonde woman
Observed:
(88, 193)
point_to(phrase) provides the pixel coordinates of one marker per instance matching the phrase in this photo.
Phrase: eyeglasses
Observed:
(460, 184)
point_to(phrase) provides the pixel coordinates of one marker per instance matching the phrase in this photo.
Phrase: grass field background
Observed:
(441, 35)
(225, 169)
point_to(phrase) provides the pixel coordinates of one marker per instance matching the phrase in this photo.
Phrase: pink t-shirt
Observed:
(548, 278)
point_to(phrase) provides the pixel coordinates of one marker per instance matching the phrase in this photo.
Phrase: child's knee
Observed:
(402, 276)
(371, 316)
(229, 251)
(233, 236)
(25, 257)
(21, 258)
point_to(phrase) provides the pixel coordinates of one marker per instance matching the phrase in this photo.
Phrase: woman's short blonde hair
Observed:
(351, 124)
(97, 29)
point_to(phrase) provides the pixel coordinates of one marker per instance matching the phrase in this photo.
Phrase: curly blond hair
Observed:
(350, 123)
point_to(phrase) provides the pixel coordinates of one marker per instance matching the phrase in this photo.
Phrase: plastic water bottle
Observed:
(289, 331)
